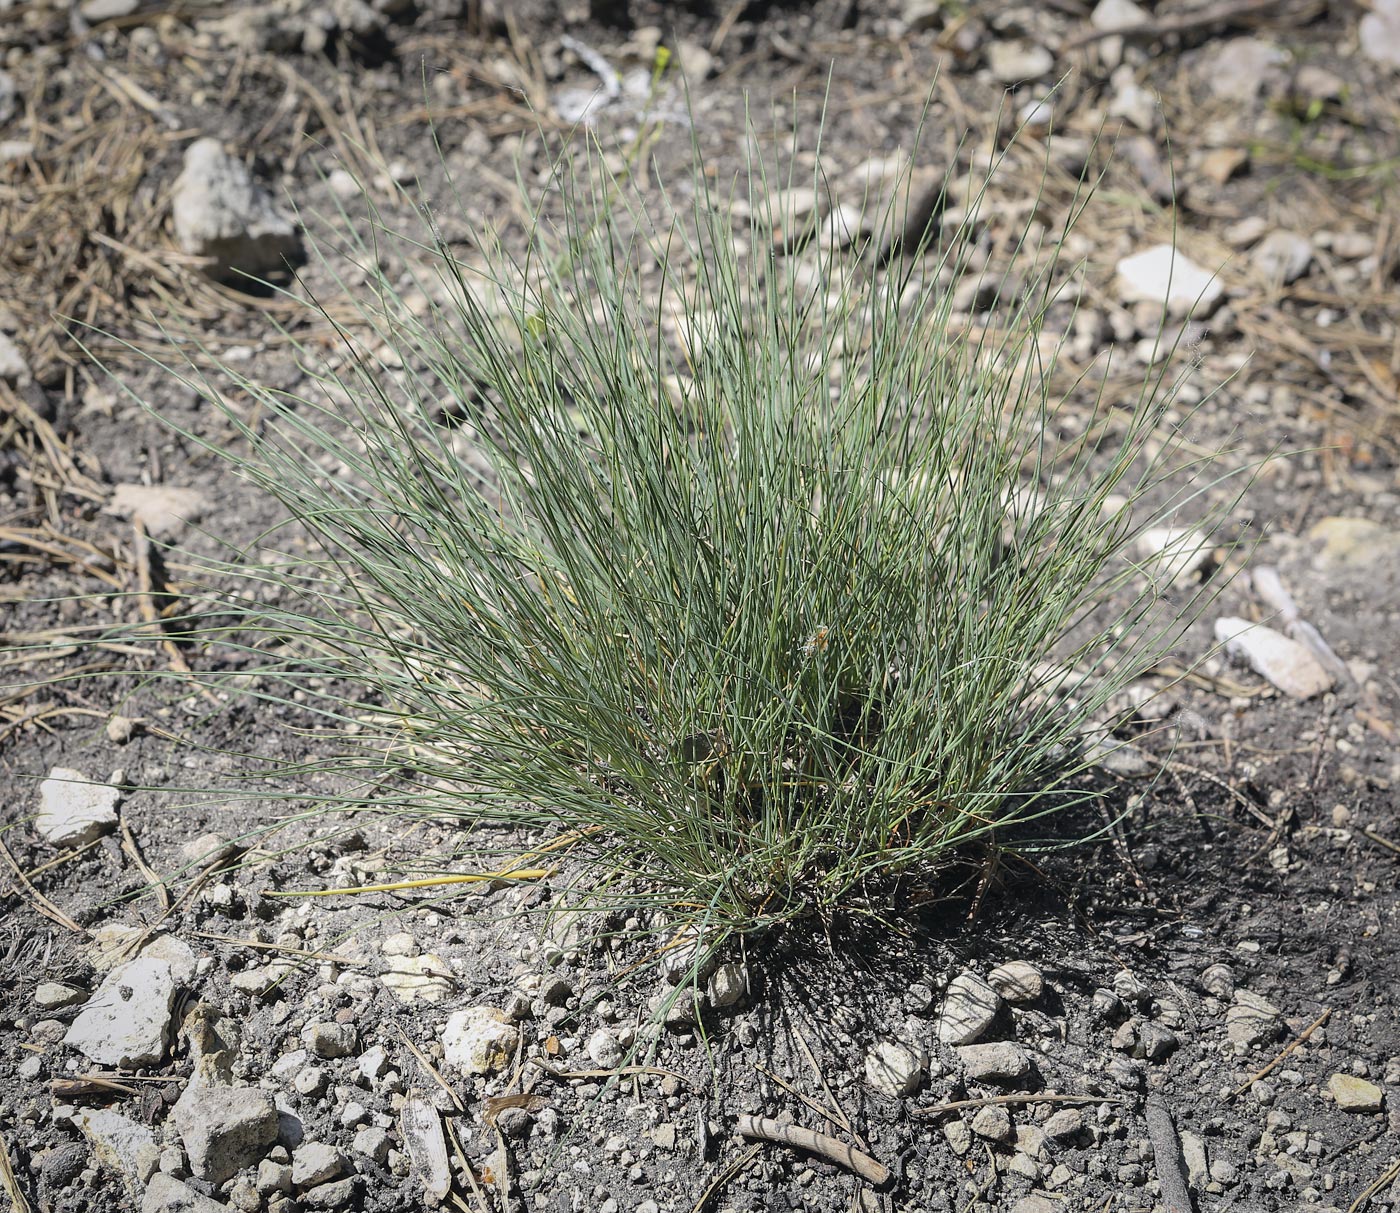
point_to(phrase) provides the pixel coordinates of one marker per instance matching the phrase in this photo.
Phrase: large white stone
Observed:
(1163, 275)
(479, 1040)
(1379, 33)
(127, 1021)
(426, 978)
(1289, 665)
(74, 810)
(162, 509)
(222, 214)
(1114, 15)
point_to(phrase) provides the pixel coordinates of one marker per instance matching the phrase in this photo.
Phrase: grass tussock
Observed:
(765, 577)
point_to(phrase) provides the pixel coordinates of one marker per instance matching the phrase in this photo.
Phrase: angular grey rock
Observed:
(1163, 276)
(727, 985)
(1251, 1020)
(1155, 1041)
(605, 1050)
(274, 1177)
(52, 996)
(1017, 981)
(1000, 1061)
(336, 1195)
(165, 1194)
(74, 810)
(969, 1008)
(893, 1068)
(314, 1163)
(331, 1040)
(992, 1122)
(127, 1021)
(120, 1143)
(479, 1040)
(225, 1128)
(1283, 256)
(222, 214)
(374, 1142)
(1064, 1125)
(959, 1136)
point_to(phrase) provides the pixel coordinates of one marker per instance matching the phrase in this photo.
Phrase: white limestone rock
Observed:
(126, 1022)
(220, 213)
(1162, 275)
(73, 809)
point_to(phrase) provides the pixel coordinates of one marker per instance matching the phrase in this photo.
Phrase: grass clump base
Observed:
(763, 580)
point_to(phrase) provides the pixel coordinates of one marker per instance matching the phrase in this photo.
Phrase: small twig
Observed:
(822, 1111)
(620, 1072)
(64, 1090)
(1167, 1155)
(1293, 1044)
(830, 1148)
(959, 1105)
(841, 1118)
(133, 852)
(9, 1183)
(41, 903)
(1386, 1177)
(432, 1071)
(66, 857)
(725, 1176)
(427, 882)
(466, 1166)
(259, 946)
(146, 604)
(1385, 842)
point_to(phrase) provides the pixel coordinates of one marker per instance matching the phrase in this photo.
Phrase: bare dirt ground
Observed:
(1201, 1006)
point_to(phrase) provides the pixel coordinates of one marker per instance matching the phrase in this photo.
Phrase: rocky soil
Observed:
(1195, 1010)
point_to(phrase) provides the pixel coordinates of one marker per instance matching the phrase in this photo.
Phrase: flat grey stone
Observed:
(969, 1008)
(999, 1061)
(1252, 1019)
(126, 1022)
(1290, 666)
(315, 1162)
(120, 1143)
(1355, 1094)
(165, 1194)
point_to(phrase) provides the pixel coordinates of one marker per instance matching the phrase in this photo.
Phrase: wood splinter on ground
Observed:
(765, 1129)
